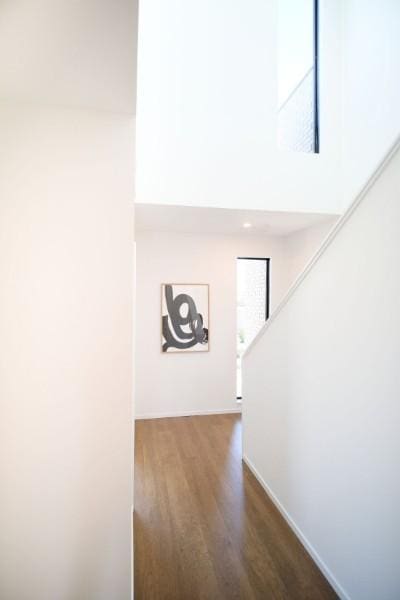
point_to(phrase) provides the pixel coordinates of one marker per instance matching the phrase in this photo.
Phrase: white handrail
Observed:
(327, 242)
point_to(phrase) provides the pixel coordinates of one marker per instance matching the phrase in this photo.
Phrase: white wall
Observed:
(321, 401)
(66, 191)
(371, 90)
(301, 246)
(199, 382)
(207, 97)
(195, 382)
(63, 53)
(207, 102)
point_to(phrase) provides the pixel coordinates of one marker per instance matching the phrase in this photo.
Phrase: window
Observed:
(298, 110)
(252, 306)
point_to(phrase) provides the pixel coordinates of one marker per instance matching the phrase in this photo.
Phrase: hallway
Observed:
(204, 527)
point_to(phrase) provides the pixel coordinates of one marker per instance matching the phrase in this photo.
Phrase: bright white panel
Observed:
(321, 400)
(66, 272)
(371, 89)
(79, 53)
(207, 99)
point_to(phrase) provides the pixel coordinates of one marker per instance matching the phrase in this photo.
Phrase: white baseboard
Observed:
(310, 549)
(189, 413)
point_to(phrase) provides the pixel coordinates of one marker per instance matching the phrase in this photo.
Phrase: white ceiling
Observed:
(186, 219)
(79, 53)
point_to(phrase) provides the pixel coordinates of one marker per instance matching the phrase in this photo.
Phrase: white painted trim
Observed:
(132, 554)
(297, 531)
(327, 242)
(190, 413)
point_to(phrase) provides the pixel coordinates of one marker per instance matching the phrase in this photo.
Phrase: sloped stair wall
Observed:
(321, 409)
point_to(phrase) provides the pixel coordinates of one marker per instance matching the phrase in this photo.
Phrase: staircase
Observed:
(321, 397)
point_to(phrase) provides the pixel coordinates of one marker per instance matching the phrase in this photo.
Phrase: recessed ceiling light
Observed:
(246, 225)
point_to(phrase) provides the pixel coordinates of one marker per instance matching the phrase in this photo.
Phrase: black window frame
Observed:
(316, 78)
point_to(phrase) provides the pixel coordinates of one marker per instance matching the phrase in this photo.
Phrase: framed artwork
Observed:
(184, 317)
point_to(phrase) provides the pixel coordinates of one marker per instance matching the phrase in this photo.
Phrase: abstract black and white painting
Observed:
(184, 317)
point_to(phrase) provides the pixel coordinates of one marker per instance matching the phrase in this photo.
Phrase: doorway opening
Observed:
(252, 306)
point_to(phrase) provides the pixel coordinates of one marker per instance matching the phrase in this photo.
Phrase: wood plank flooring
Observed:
(204, 527)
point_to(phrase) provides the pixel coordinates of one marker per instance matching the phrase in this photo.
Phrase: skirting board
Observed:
(299, 534)
(190, 413)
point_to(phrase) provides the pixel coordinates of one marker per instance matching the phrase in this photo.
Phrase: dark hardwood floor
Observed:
(204, 527)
